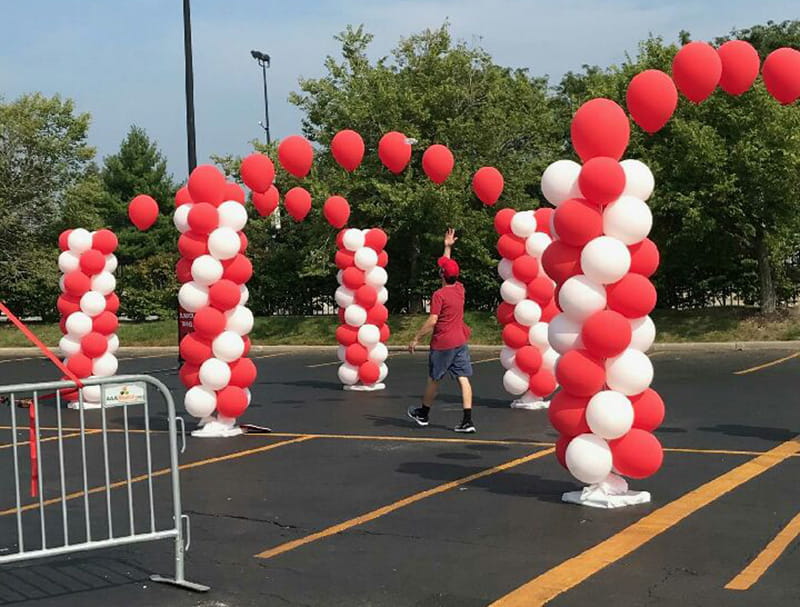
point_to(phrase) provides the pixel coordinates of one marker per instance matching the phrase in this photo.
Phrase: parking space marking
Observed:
(485, 360)
(14, 360)
(753, 572)
(407, 501)
(772, 363)
(576, 570)
(49, 438)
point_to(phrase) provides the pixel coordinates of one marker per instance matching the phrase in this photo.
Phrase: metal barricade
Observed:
(71, 484)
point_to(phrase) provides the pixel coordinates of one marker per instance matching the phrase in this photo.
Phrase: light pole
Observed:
(189, 75)
(263, 61)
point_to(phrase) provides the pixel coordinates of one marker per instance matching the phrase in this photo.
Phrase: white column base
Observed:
(86, 405)
(217, 429)
(611, 493)
(536, 405)
(364, 388)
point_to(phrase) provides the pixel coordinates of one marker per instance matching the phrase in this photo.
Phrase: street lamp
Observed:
(263, 61)
(189, 85)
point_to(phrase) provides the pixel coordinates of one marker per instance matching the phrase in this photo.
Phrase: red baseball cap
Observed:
(449, 267)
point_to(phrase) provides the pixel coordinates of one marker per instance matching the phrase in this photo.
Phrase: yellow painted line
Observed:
(336, 362)
(407, 501)
(753, 572)
(14, 360)
(767, 365)
(271, 355)
(485, 360)
(576, 570)
(414, 439)
(47, 440)
(162, 472)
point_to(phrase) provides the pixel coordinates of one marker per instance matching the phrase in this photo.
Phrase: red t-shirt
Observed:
(450, 330)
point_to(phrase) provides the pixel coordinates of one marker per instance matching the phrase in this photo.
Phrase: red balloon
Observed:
(209, 322)
(238, 269)
(224, 295)
(561, 449)
(233, 191)
(112, 303)
(231, 401)
(606, 334)
(515, 335)
(541, 290)
(366, 297)
(528, 359)
(340, 239)
(104, 241)
(525, 268)
(80, 365)
(651, 99)
(337, 211)
(243, 242)
(376, 239)
(92, 262)
(356, 354)
(377, 315)
(600, 128)
(637, 455)
(601, 180)
(298, 203)
(567, 414)
(438, 163)
(67, 304)
(502, 221)
(505, 313)
(644, 258)
(386, 333)
(353, 278)
(487, 183)
(63, 239)
(340, 315)
(543, 383)
(194, 349)
(266, 202)
(77, 283)
(192, 245)
(106, 323)
(383, 259)
(347, 148)
(543, 218)
(203, 218)
(394, 151)
(296, 155)
(561, 261)
(257, 172)
(62, 324)
(696, 70)
(207, 184)
(247, 345)
(189, 375)
(369, 373)
(580, 373)
(781, 74)
(577, 222)
(183, 270)
(344, 259)
(182, 196)
(634, 296)
(143, 211)
(511, 246)
(243, 373)
(346, 335)
(94, 344)
(550, 311)
(740, 63)
(648, 410)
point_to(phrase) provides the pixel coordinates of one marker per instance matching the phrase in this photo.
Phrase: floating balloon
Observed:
(781, 74)
(696, 70)
(207, 184)
(394, 150)
(347, 148)
(142, 211)
(266, 202)
(487, 183)
(257, 172)
(296, 155)
(438, 163)
(337, 211)
(651, 99)
(298, 203)
(740, 63)
(600, 128)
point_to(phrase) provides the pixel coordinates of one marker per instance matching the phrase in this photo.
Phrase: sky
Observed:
(122, 60)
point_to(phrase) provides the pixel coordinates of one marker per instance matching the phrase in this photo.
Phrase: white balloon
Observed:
(516, 382)
(368, 335)
(224, 243)
(180, 218)
(383, 295)
(639, 180)
(630, 373)
(249, 395)
(627, 219)
(549, 360)
(193, 296)
(91, 394)
(232, 215)
(69, 346)
(589, 458)
(61, 286)
(383, 372)
(199, 400)
(344, 297)
(355, 315)
(378, 353)
(228, 346)
(553, 233)
(104, 283)
(564, 334)
(527, 312)
(365, 258)
(605, 260)
(244, 295)
(78, 324)
(504, 269)
(111, 263)
(353, 239)
(581, 297)
(239, 320)
(92, 303)
(79, 240)
(339, 275)
(609, 414)
(348, 374)
(523, 224)
(376, 276)
(513, 291)
(507, 357)
(560, 181)
(643, 333)
(537, 335)
(536, 244)
(105, 365)
(214, 374)
(113, 343)
(341, 353)
(69, 261)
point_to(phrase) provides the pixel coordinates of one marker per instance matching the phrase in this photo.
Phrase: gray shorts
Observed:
(455, 361)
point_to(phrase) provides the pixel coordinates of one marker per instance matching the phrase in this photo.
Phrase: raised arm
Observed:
(449, 240)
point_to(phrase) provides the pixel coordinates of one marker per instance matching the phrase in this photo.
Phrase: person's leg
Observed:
(420, 414)
(462, 369)
(466, 392)
(431, 389)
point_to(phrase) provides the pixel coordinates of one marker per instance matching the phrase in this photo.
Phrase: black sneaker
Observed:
(465, 427)
(418, 416)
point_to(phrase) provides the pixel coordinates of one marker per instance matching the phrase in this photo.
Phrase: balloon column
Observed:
(527, 307)
(88, 307)
(361, 298)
